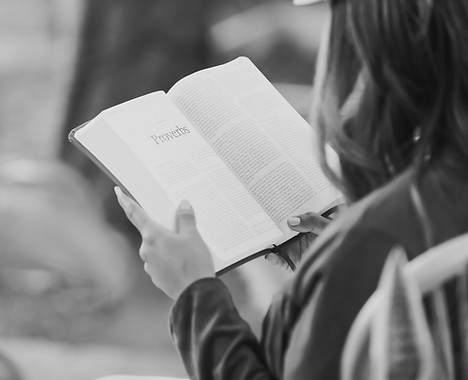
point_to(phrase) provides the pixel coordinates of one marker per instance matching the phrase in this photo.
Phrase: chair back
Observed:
(407, 327)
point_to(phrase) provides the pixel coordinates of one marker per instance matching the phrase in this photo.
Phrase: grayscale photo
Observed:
(234, 190)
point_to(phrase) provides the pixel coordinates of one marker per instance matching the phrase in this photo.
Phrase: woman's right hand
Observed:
(310, 225)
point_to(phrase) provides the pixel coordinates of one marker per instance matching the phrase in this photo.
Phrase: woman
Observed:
(392, 99)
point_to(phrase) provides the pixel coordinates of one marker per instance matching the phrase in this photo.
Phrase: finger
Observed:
(147, 247)
(185, 218)
(308, 222)
(275, 259)
(134, 212)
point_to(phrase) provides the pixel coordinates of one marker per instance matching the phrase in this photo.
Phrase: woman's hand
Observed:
(173, 260)
(310, 225)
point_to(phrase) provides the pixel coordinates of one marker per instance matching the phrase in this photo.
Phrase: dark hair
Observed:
(410, 59)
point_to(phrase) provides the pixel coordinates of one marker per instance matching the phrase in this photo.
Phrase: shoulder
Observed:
(353, 248)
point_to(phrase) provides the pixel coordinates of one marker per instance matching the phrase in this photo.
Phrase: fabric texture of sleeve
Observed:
(328, 294)
(305, 328)
(213, 340)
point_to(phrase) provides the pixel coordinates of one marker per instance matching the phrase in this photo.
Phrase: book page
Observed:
(260, 136)
(186, 167)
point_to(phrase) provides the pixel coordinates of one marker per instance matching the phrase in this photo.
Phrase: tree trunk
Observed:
(128, 48)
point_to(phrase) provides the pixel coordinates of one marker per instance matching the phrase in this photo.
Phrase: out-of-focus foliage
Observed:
(66, 274)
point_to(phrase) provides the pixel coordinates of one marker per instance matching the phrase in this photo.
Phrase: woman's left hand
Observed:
(174, 260)
(310, 225)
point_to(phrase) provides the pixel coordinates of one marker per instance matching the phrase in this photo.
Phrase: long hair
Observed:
(392, 90)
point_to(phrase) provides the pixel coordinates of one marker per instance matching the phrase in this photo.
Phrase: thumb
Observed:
(308, 222)
(185, 218)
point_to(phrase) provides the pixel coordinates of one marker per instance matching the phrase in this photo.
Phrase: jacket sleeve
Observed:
(328, 293)
(212, 339)
(304, 330)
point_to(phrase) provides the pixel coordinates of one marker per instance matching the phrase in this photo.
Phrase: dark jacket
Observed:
(306, 326)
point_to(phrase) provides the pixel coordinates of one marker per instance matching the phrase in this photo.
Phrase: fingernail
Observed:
(294, 221)
(185, 205)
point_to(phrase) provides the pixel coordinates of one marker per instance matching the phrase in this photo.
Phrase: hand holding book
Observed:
(309, 226)
(173, 260)
(218, 139)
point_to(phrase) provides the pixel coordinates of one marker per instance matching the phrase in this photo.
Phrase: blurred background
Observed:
(75, 302)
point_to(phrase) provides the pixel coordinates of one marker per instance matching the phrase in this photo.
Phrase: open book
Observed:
(226, 140)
